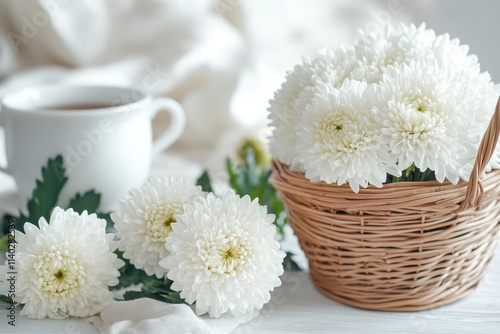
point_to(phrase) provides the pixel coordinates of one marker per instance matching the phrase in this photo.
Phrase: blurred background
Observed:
(221, 59)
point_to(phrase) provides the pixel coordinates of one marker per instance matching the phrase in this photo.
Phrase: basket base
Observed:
(392, 304)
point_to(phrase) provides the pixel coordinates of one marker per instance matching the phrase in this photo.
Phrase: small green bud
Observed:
(262, 157)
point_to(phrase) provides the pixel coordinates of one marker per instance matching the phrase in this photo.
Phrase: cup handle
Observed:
(176, 126)
(2, 125)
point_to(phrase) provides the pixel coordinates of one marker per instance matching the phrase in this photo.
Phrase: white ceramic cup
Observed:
(108, 149)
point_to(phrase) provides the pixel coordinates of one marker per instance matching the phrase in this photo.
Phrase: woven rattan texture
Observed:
(407, 246)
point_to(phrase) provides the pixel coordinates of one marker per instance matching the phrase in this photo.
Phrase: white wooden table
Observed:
(296, 307)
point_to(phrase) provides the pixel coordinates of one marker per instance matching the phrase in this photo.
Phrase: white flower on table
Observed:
(223, 255)
(64, 267)
(145, 220)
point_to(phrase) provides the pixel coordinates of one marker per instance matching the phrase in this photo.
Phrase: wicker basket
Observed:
(404, 247)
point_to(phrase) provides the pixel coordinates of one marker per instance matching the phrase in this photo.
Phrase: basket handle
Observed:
(474, 192)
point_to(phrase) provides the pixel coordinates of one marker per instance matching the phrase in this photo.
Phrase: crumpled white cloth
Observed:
(149, 316)
(221, 59)
(181, 49)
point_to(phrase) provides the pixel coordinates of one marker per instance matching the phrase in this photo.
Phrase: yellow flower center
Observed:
(332, 125)
(231, 257)
(225, 255)
(60, 275)
(58, 272)
(422, 104)
(159, 221)
(169, 221)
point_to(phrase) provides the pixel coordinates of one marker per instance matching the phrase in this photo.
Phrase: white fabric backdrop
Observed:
(222, 59)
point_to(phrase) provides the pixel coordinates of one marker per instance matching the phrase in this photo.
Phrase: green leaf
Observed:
(172, 297)
(5, 223)
(5, 299)
(280, 222)
(46, 193)
(232, 176)
(4, 243)
(110, 225)
(249, 171)
(412, 173)
(131, 295)
(159, 289)
(129, 275)
(88, 201)
(205, 182)
(289, 264)
(245, 179)
(151, 287)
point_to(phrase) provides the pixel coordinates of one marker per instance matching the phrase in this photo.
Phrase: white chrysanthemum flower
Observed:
(431, 101)
(491, 103)
(145, 217)
(391, 46)
(223, 255)
(285, 109)
(426, 119)
(331, 65)
(64, 267)
(449, 53)
(339, 141)
(486, 96)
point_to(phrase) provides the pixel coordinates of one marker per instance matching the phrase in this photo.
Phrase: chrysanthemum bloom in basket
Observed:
(64, 266)
(223, 255)
(401, 104)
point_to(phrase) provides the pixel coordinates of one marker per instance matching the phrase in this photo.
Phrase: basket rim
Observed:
(444, 196)
(430, 186)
